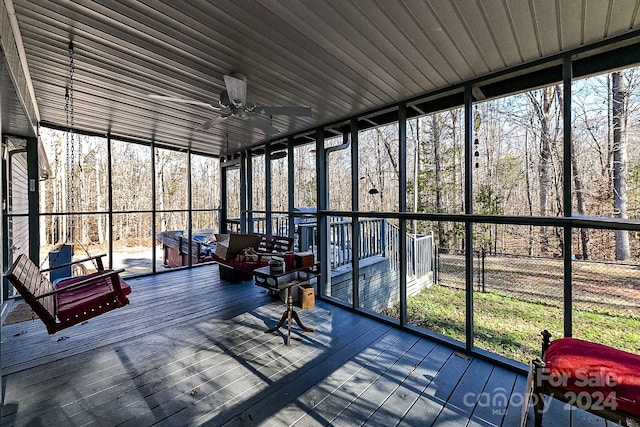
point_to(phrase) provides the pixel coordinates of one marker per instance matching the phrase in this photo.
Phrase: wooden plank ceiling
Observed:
(341, 58)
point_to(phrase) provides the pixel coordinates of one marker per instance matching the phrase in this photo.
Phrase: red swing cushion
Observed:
(584, 366)
(91, 299)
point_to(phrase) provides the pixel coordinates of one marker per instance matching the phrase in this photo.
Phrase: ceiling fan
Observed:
(233, 103)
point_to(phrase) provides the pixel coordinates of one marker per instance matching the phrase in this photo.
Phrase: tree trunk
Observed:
(542, 109)
(579, 190)
(436, 159)
(580, 205)
(98, 191)
(619, 163)
(387, 145)
(458, 168)
(64, 200)
(160, 177)
(83, 199)
(528, 191)
(545, 162)
(43, 208)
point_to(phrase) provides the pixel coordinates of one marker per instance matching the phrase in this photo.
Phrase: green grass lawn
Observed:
(511, 326)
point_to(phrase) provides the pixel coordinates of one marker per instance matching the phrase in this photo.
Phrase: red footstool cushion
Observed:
(583, 366)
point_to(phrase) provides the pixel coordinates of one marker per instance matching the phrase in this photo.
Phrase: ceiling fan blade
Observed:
(211, 122)
(236, 85)
(284, 111)
(182, 101)
(263, 125)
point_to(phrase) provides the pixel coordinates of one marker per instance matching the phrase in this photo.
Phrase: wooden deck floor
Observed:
(190, 350)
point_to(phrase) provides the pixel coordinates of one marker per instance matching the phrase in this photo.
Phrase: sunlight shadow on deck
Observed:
(191, 350)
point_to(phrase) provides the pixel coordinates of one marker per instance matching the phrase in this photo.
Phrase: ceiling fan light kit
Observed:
(278, 155)
(232, 102)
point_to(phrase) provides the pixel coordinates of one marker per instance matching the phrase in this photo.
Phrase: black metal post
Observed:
(324, 282)
(249, 190)
(267, 188)
(243, 192)
(355, 220)
(468, 209)
(224, 203)
(402, 207)
(189, 211)
(484, 255)
(567, 76)
(291, 193)
(110, 197)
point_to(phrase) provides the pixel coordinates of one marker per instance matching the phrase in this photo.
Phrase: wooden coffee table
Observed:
(274, 282)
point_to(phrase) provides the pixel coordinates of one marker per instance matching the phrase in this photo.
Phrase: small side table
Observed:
(274, 282)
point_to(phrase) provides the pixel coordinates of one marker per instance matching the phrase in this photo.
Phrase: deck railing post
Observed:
(383, 235)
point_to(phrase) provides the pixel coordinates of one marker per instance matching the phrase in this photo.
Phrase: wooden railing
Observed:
(420, 252)
(279, 225)
(378, 237)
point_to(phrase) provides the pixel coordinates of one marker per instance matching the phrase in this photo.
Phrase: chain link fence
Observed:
(597, 286)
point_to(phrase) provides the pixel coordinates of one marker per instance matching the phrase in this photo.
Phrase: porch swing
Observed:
(64, 300)
(72, 300)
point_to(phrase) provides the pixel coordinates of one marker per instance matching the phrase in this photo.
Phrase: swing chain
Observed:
(69, 108)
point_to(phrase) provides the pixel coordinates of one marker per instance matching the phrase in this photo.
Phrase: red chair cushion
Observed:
(244, 266)
(583, 366)
(89, 300)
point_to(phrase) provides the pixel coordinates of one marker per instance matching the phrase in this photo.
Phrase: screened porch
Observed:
(190, 350)
(466, 174)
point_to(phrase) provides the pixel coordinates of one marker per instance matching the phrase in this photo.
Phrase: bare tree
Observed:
(99, 188)
(618, 113)
(578, 187)
(435, 128)
(542, 109)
